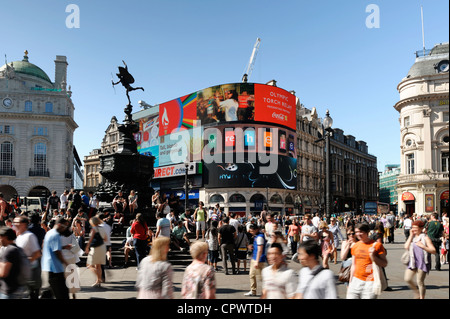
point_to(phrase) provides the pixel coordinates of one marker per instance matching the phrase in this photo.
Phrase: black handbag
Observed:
(97, 240)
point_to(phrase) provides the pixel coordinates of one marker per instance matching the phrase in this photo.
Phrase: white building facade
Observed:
(36, 129)
(423, 184)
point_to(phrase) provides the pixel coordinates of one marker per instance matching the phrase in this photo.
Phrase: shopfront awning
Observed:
(406, 196)
(444, 195)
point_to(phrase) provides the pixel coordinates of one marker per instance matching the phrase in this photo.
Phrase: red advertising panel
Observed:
(178, 115)
(275, 105)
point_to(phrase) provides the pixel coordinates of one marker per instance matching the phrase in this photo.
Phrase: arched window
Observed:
(237, 198)
(289, 200)
(28, 106)
(40, 158)
(258, 198)
(6, 158)
(216, 198)
(276, 199)
(49, 107)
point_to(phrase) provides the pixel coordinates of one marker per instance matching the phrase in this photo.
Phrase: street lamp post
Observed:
(327, 123)
(186, 190)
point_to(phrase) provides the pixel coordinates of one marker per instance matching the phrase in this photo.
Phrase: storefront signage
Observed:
(174, 170)
(407, 196)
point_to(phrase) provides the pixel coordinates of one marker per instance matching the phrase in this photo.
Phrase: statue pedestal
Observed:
(126, 169)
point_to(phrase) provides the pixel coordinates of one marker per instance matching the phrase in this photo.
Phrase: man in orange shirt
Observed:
(364, 253)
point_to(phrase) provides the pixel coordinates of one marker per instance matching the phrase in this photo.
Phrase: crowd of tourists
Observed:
(40, 251)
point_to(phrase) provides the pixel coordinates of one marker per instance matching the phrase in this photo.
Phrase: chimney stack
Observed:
(61, 72)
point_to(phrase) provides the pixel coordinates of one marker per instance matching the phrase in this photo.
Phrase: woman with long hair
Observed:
(140, 232)
(420, 249)
(326, 243)
(154, 278)
(96, 249)
(333, 227)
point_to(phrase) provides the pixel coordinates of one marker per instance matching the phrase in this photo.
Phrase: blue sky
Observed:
(321, 49)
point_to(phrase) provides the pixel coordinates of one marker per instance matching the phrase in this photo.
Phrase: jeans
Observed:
(293, 245)
(18, 294)
(140, 249)
(58, 285)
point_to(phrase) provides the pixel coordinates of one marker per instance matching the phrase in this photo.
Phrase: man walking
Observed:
(434, 231)
(53, 261)
(258, 261)
(29, 243)
(391, 219)
(227, 237)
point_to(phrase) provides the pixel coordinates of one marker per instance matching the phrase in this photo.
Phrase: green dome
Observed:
(28, 68)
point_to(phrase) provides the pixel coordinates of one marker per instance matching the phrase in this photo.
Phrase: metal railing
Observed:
(42, 173)
(8, 172)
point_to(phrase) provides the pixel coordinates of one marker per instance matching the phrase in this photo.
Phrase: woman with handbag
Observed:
(96, 249)
(420, 249)
(346, 255)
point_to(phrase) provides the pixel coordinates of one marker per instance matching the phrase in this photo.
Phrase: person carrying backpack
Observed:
(14, 270)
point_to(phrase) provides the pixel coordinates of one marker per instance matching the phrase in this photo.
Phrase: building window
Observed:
(49, 107)
(41, 131)
(40, 157)
(444, 161)
(28, 106)
(410, 164)
(445, 116)
(6, 129)
(6, 157)
(406, 121)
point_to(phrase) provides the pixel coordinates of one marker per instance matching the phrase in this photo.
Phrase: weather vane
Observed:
(126, 79)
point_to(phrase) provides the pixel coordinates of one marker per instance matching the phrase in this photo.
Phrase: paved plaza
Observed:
(120, 281)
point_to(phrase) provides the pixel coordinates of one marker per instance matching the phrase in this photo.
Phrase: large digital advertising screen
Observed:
(248, 174)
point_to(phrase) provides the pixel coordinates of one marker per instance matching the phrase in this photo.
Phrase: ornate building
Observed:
(354, 174)
(423, 184)
(310, 162)
(110, 142)
(36, 129)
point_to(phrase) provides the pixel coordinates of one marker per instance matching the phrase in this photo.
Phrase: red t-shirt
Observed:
(139, 231)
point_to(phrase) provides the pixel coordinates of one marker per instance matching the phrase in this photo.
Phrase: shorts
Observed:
(201, 225)
(443, 251)
(241, 254)
(213, 256)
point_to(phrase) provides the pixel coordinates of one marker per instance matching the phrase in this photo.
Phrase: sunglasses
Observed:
(350, 234)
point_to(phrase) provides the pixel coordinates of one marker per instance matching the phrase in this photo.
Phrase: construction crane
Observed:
(251, 63)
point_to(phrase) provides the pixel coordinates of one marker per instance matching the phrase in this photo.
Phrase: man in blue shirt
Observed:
(53, 261)
(258, 261)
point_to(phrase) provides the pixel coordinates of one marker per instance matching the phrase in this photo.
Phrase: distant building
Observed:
(110, 143)
(388, 184)
(423, 184)
(36, 129)
(310, 162)
(354, 174)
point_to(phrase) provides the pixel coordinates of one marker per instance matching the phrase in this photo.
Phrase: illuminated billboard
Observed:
(248, 174)
(234, 102)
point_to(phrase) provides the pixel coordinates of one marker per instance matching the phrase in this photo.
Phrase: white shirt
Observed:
(63, 199)
(29, 243)
(107, 229)
(231, 107)
(407, 223)
(316, 221)
(320, 286)
(235, 223)
(308, 229)
(279, 284)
